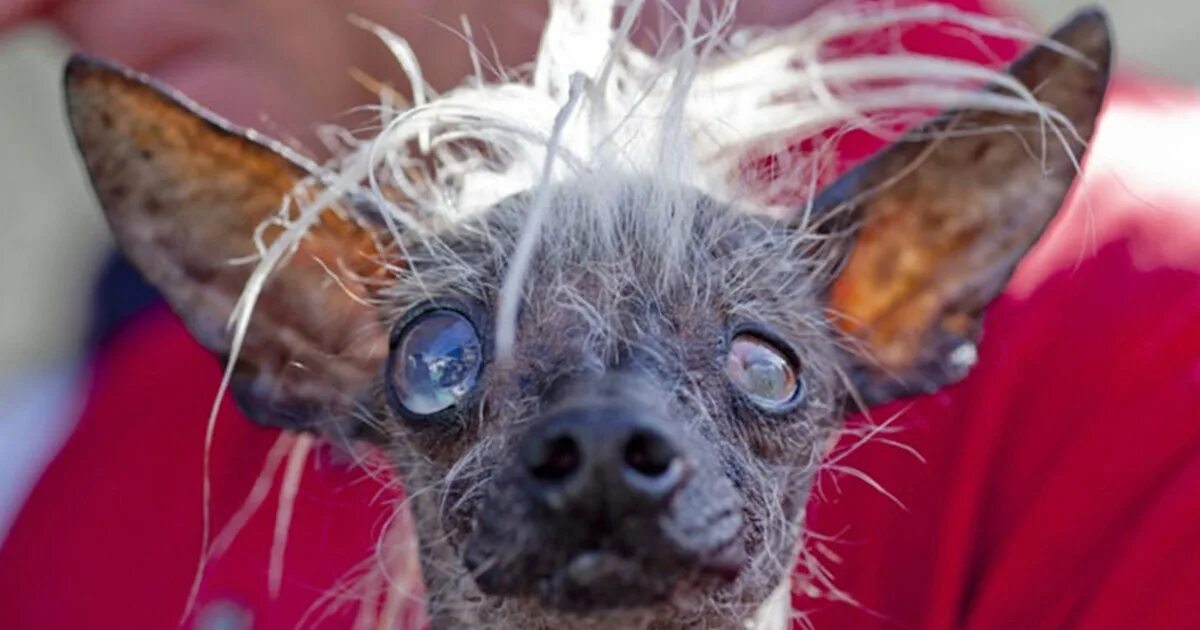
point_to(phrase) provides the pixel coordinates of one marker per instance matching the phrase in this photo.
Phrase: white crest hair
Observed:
(597, 108)
(687, 116)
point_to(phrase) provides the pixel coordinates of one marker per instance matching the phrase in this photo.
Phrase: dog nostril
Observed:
(649, 454)
(557, 459)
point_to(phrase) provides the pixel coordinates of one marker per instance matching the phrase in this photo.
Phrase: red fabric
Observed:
(111, 535)
(1060, 485)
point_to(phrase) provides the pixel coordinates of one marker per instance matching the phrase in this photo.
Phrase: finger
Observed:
(142, 33)
(13, 12)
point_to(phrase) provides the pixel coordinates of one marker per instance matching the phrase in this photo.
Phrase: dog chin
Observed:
(597, 581)
(532, 614)
(685, 605)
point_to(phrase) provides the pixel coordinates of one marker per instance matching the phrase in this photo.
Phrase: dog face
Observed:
(652, 437)
(641, 454)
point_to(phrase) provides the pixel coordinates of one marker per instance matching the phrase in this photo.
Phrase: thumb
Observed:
(14, 12)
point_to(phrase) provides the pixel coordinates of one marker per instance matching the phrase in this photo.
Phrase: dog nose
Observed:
(610, 459)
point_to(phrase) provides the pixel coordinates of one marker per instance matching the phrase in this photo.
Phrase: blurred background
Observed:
(53, 239)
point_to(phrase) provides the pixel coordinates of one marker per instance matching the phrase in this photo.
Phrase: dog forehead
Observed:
(630, 263)
(606, 234)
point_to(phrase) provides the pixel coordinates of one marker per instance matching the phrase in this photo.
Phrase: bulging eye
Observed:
(435, 362)
(760, 369)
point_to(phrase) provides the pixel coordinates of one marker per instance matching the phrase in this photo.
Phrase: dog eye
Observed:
(435, 362)
(761, 370)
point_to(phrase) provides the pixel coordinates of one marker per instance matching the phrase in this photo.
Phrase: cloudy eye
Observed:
(761, 370)
(435, 362)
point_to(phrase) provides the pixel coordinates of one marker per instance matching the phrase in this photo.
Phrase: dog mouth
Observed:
(597, 580)
(609, 573)
(584, 566)
(594, 580)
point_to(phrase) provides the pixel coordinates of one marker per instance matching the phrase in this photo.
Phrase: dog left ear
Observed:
(186, 195)
(940, 220)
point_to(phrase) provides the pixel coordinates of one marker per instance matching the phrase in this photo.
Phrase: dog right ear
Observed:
(940, 220)
(184, 194)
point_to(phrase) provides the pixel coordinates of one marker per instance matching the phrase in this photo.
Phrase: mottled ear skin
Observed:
(941, 219)
(184, 193)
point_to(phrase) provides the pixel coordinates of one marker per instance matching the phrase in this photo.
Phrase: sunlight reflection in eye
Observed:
(440, 356)
(760, 370)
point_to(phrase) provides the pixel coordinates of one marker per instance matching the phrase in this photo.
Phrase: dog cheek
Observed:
(498, 540)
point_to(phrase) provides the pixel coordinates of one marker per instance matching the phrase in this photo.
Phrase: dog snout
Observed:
(613, 461)
(606, 501)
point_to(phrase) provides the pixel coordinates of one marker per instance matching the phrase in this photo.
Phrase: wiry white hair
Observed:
(687, 115)
(597, 108)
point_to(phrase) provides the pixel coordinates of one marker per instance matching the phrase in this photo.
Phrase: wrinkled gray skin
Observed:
(608, 317)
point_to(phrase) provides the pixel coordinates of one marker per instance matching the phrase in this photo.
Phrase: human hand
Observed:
(283, 66)
(280, 65)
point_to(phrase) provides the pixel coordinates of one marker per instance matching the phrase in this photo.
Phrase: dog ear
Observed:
(940, 220)
(185, 195)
